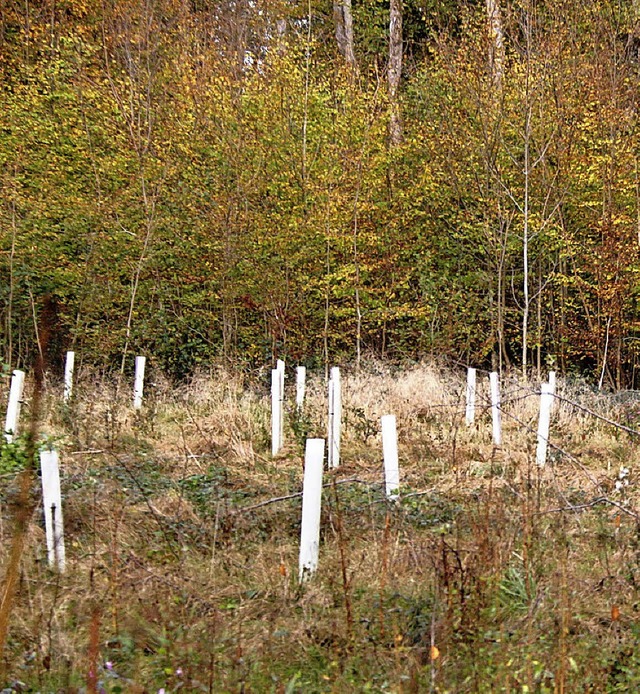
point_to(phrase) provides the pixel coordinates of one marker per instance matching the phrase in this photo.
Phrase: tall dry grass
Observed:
(489, 574)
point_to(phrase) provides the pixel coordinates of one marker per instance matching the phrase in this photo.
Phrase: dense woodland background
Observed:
(322, 181)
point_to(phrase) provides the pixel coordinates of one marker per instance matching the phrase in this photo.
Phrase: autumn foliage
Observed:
(197, 179)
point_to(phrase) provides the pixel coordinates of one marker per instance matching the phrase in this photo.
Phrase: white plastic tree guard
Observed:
(311, 504)
(544, 423)
(276, 412)
(138, 386)
(52, 504)
(552, 381)
(301, 378)
(496, 418)
(390, 453)
(68, 375)
(13, 408)
(470, 414)
(335, 419)
(280, 368)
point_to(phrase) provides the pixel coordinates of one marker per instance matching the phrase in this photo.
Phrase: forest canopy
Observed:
(322, 181)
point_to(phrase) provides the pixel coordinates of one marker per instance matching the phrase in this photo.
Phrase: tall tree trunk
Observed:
(526, 301)
(343, 19)
(496, 34)
(539, 323)
(395, 70)
(9, 315)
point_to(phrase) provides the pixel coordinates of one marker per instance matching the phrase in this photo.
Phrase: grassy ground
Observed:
(489, 574)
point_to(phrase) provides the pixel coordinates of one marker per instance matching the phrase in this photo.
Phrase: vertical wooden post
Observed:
(68, 376)
(52, 504)
(471, 396)
(544, 423)
(335, 419)
(311, 504)
(13, 408)
(390, 453)
(138, 386)
(301, 377)
(276, 412)
(496, 417)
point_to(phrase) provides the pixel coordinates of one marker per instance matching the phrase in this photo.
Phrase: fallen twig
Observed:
(590, 504)
(295, 495)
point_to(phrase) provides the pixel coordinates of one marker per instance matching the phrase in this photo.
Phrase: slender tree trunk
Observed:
(327, 306)
(525, 243)
(395, 70)
(149, 207)
(500, 360)
(503, 356)
(356, 262)
(9, 316)
(496, 34)
(539, 326)
(227, 298)
(637, 180)
(620, 345)
(343, 19)
(528, 117)
(305, 120)
(564, 300)
(139, 58)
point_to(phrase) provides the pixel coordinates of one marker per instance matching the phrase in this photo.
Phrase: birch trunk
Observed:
(496, 34)
(395, 70)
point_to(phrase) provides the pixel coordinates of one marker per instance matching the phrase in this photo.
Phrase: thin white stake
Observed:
(276, 412)
(546, 402)
(280, 367)
(552, 381)
(311, 503)
(390, 453)
(335, 419)
(68, 376)
(301, 377)
(52, 504)
(496, 418)
(471, 396)
(139, 382)
(13, 408)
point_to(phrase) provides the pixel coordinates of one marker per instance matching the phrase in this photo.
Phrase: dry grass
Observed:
(502, 570)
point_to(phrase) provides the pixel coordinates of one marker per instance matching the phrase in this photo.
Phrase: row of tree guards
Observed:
(314, 448)
(17, 388)
(138, 379)
(49, 459)
(50, 475)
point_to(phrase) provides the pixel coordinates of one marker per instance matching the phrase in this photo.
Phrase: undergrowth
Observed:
(488, 574)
